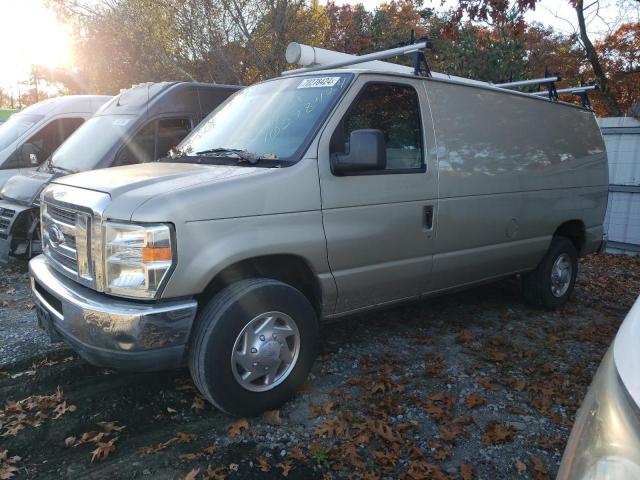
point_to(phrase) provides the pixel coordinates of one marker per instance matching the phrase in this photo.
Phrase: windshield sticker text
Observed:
(319, 82)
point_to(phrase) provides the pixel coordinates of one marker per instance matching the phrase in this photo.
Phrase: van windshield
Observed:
(17, 125)
(91, 142)
(273, 120)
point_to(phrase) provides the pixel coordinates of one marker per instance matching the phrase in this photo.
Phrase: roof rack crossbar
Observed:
(573, 90)
(525, 83)
(581, 92)
(393, 52)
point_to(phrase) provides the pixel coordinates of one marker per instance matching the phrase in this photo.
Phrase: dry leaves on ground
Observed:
(474, 400)
(497, 433)
(466, 471)
(103, 449)
(181, 437)
(32, 411)
(272, 417)
(539, 470)
(8, 465)
(236, 428)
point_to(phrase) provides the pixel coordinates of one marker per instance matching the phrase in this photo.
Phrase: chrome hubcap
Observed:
(561, 275)
(265, 351)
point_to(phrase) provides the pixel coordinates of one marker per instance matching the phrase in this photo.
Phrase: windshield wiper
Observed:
(245, 155)
(53, 168)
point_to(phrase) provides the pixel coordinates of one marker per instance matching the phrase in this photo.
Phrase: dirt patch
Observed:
(471, 385)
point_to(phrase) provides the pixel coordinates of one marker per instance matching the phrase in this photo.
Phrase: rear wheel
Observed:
(550, 285)
(253, 346)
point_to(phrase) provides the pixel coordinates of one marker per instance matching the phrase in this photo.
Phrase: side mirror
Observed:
(367, 151)
(29, 154)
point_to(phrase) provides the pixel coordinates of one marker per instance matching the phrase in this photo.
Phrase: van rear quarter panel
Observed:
(512, 169)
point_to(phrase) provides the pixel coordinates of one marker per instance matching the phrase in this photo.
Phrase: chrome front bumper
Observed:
(107, 331)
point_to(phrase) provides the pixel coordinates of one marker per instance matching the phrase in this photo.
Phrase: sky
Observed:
(34, 36)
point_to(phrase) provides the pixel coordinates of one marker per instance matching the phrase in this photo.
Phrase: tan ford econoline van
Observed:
(309, 197)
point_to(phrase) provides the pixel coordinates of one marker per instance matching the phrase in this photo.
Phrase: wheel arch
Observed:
(291, 269)
(575, 231)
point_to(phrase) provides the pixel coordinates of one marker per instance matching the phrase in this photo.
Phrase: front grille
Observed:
(62, 214)
(6, 214)
(59, 240)
(71, 222)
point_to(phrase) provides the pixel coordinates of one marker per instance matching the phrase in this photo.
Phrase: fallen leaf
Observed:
(192, 474)
(350, 454)
(198, 404)
(109, 427)
(69, 441)
(272, 417)
(466, 471)
(487, 384)
(539, 470)
(183, 437)
(297, 453)
(496, 356)
(420, 470)
(215, 473)
(7, 465)
(521, 466)
(236, 428)
(263, 465)
(286, 467)
(383, 430)
(497, 433)
(103, 450)
(188, 457)
(449, 434)
(464, 336)
(474, 400)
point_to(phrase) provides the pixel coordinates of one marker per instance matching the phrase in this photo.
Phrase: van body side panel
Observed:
(512, 169)
(379, 249)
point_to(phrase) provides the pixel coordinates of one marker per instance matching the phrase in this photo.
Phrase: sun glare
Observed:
(33, 37)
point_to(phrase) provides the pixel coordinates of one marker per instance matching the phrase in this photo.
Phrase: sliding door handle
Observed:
(427, 217)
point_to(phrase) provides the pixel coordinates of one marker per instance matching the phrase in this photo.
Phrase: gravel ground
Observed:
(470, 385)
(20, 337)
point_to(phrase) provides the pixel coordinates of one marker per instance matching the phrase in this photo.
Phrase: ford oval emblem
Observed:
(56, 236)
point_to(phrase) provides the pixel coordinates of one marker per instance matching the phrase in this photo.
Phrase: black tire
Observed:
(217, 327)
(537, 284)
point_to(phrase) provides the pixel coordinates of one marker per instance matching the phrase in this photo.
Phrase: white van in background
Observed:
(30, 136)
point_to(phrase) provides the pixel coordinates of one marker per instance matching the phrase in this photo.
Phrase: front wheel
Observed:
(253, 346)
(550, 285)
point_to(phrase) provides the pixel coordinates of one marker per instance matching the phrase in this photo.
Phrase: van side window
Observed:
(140, 149)
(171, 131)
(68, 126)
(393, 109)
(45, 141)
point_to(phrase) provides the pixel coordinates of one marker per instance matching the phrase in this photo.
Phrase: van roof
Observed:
(165, 97)
(67, 104)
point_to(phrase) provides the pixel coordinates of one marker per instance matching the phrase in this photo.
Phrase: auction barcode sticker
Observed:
(318, 82)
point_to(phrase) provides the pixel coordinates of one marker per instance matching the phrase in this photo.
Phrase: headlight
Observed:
(137, 258)
(605, 440)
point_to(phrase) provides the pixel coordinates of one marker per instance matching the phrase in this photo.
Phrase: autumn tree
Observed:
(495, 10)
(620, 54)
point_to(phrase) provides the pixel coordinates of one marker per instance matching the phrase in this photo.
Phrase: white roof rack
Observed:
(314, 59)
